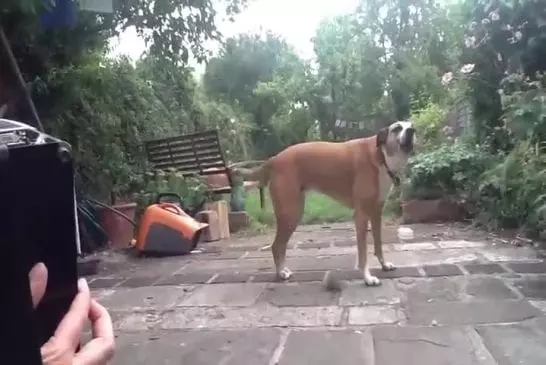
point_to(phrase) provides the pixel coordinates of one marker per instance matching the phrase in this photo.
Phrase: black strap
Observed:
(395, 179)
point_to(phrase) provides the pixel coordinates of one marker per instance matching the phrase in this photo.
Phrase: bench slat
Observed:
(194, 154)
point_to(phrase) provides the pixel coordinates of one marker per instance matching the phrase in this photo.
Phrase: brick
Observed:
(238, 221)
(212, 232)
(442, 270)
(221, 209)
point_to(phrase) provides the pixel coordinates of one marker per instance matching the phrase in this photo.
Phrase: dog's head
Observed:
(399, 137)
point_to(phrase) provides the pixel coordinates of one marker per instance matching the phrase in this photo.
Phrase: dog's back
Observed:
(312, 163)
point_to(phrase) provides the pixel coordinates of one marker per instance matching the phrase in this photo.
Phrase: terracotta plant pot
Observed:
(432, 211)
(120, 231)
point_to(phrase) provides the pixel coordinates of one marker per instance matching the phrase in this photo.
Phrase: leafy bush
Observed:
(428, 121)
(524, 104)
(192, 190)
(105, 112)
(512, 193)
(450, 170)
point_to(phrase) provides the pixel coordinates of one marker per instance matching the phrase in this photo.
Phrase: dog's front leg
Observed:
(361, 225)
(377, 242)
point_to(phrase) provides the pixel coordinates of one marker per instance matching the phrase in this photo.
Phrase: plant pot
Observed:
(432, 211)
(120, 231)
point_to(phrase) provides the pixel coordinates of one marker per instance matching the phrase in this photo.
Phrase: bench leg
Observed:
(262, 198)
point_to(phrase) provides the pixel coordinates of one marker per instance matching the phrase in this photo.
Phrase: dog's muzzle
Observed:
(406, 144)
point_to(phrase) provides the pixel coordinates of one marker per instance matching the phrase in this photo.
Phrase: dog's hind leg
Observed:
(377, 241)
(361, 225)
(288, 202)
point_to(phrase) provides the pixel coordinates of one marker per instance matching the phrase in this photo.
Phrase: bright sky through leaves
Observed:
(295, 20)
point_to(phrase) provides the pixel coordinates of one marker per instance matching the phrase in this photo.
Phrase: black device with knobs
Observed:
(38, 223)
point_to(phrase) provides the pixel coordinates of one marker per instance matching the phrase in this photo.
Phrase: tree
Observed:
(351, 76)
(256, 72)
(419, 39)
(502, 38)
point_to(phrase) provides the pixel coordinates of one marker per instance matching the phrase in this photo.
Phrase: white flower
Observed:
(486, 21)
(518, 35)
(232, 120)
(447, 77)
(494, 15)
(506, 27)
(499, 57)
(469, 42)
(468, 68)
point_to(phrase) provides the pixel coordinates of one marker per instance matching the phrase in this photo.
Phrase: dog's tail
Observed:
(261, 174)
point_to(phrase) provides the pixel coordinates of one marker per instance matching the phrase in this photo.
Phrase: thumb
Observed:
(38, 283)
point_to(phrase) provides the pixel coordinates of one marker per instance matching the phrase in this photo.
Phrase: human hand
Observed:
(60, 349)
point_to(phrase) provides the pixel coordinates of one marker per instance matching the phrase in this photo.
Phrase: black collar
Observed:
(382, 161)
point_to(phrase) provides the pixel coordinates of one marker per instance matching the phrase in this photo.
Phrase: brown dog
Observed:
(358, 173)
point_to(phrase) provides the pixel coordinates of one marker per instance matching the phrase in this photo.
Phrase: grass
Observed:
(319, 209)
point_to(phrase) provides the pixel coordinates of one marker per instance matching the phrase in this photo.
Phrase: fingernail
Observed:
(35, 271)
(82, 285)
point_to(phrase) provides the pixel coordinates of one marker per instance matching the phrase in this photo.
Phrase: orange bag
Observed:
(165, 229)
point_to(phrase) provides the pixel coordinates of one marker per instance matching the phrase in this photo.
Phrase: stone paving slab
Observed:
(375, 314)
(299, 295)
(249, 317)
(461, 313)
(357, 294)
(455, 298)
(251, 346)
(449, 289)
(146, 298)
(423, 346)
(520, 343)
(486, 269)
(223, 295)
(327, 348)
(532, 287)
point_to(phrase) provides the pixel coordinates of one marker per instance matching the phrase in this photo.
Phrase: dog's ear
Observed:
(382, 136)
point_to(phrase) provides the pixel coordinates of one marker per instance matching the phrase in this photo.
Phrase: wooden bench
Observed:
(196, 154)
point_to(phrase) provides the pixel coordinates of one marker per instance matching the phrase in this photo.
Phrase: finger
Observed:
(69, 330)
(101, 349)
(38, 282)
(101, 322)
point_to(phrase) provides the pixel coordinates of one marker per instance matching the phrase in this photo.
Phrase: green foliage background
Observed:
(385, 60)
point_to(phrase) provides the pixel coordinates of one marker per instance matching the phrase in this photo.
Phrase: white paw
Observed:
(370, 280)
(284, 274)
(388, 266)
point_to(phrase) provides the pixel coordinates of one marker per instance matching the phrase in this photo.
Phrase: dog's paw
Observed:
(284, 274)
(371, 280)
(388, 266)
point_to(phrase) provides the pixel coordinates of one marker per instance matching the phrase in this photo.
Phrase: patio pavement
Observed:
(459, 296)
